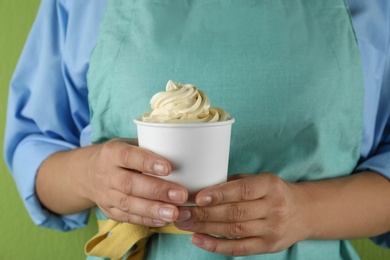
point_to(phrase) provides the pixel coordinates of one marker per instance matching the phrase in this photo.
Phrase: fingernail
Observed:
(166, 214)
(184, 214)
(159, 223)
(197, 241)
(203, 201)
(176, 196)
(160, 168)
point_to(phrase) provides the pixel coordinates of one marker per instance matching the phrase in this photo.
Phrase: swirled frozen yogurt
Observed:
(183, 103)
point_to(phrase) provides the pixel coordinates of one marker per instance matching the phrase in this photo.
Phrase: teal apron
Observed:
(288, 71)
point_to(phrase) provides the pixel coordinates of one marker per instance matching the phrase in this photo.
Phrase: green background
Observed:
(20, 238)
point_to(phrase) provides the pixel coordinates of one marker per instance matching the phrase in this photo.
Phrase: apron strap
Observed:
(114, 239)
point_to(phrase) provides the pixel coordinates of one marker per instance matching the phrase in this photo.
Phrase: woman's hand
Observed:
(256, 214)
(109, 175)
(126, 195)
(252, 214)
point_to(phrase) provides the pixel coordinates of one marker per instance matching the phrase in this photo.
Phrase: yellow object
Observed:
(114, 239)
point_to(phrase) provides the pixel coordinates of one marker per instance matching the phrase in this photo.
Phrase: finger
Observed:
(125, 217)
(245, 189)
(231, 247)
(232, 212)
(232, 230)
(143, 207)
(148, 187)
(136, 158)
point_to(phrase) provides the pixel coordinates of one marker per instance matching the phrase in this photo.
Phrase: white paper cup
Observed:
(198, 152)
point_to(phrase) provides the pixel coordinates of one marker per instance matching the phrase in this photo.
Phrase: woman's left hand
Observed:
(252, 214)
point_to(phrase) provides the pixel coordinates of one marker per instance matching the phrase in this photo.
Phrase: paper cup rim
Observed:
(138, 121)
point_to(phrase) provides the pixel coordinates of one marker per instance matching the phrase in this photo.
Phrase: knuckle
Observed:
(146, 221)
(124, 155)
(199, 226)
(123, 203)
(280, 203)
(109, 146)
(246, 191)
(127, 184)
(128, 218)
(151, 210)
(158, 192)
(281, 208)
(219, 197)
(202, 214)
(235, 213)
(146, 164)
(234, 229)
(122, 217)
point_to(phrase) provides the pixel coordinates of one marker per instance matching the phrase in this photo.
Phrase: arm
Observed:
(47, 121)
(349, 207)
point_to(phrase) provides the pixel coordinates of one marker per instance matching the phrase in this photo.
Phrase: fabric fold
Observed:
(115, 239)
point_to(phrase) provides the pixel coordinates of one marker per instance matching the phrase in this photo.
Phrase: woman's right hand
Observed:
(124, 194)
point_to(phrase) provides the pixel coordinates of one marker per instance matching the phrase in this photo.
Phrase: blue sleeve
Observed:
(372, 25)
(369, 19)
(47, 105)
(379, 158)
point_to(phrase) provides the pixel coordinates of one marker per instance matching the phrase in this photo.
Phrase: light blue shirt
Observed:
(48, 109)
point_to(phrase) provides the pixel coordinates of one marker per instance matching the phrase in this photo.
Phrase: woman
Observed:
(288, 71)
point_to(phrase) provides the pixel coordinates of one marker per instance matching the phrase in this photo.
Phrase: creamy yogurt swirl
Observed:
(183, 103)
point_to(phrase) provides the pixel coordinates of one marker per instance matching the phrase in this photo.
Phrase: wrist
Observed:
(88, 161)
(306, 219)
